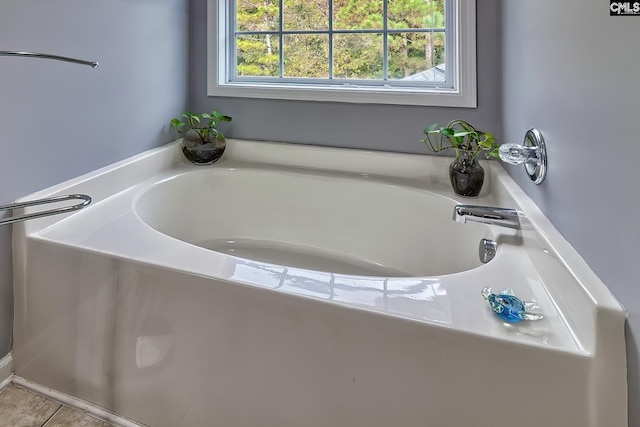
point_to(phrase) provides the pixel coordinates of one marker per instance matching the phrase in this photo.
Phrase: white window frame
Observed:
(463, 93)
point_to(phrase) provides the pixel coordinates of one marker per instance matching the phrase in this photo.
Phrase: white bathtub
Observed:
(300, 286)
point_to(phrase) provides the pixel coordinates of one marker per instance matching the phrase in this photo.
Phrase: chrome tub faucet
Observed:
(503, 217)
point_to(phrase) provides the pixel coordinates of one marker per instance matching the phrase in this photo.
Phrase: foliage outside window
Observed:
(397, 47)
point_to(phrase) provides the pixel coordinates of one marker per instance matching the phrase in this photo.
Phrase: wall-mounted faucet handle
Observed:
(515, 154)
(533, 153)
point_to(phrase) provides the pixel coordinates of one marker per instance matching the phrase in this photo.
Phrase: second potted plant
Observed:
(465, 172)
(202, 142)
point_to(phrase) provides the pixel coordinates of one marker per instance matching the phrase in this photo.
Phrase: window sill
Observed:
(341, 93)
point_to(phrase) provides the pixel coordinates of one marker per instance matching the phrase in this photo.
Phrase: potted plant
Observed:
(202, 142)
(465, 172)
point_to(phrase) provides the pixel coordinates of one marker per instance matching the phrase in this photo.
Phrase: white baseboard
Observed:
(6, 370)
(76, 403)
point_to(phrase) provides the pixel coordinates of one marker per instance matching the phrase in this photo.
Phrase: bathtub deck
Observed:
(432, 300)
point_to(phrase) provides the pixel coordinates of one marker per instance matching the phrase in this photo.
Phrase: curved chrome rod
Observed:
(86, 200)
(92, 64)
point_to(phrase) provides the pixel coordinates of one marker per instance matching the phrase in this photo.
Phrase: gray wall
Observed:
(571, 70)
(385, 128)
(59, 120)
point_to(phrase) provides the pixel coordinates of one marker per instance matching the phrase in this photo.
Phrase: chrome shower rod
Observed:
(92, 64)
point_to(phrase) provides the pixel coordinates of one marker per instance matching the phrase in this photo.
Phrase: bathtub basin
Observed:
(347, 226)
(305, 286)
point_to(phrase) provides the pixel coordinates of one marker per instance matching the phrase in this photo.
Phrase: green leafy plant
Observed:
(205, 124)
(462, 137)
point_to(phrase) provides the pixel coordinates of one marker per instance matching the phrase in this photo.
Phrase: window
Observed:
(415, 52)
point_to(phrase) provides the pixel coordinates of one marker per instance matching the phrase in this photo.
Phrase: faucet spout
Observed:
(502, 217)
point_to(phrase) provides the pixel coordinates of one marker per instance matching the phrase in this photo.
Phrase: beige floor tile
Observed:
(20, 408)
(67, 417)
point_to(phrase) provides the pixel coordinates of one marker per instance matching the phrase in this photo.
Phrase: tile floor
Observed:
(22, 408)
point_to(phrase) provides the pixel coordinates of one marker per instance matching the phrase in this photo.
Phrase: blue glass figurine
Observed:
(507, 306)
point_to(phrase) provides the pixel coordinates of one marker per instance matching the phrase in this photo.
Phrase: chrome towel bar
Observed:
(85, 201)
